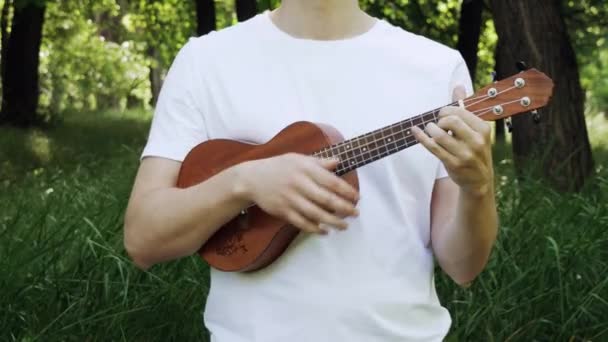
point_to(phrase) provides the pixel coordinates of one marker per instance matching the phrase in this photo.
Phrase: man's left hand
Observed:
(466, 151)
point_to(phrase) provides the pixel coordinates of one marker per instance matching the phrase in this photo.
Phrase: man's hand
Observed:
(299, 189)
(464, 218)
(465, 151)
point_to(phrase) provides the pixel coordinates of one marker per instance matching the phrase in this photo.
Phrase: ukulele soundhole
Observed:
(233, 241)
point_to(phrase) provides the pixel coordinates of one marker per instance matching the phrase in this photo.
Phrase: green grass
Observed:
(65, 276)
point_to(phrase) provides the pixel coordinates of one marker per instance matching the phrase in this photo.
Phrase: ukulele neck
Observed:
(364, 149)
(520, 93)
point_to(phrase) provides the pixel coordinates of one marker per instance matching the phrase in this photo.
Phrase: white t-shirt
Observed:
(373, 282)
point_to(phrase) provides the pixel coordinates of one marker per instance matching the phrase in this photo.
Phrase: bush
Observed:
(82, 70)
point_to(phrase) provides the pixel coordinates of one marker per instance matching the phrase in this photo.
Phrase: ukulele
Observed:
(254, 239)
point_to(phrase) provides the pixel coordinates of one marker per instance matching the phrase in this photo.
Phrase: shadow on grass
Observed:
(82, 138)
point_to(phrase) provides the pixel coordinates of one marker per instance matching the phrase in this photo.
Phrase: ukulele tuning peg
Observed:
(536, 116)
(522, 66)
(509, 124)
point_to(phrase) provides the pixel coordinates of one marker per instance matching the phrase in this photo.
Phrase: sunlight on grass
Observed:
(597, 125)
(40, 144)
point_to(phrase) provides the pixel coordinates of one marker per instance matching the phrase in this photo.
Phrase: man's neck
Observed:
(322, 19)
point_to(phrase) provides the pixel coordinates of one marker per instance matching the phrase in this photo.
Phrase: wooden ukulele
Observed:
(254, 239)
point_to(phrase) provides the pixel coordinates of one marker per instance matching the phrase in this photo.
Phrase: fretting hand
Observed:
(466, 152)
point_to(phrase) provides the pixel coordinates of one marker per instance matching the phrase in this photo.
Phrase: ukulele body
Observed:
(253, 239)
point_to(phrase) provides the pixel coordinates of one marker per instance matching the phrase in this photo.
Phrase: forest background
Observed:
(79, 82)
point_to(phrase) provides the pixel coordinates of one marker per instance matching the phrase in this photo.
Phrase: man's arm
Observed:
(164, 223)
(463, 230)
(464, 220)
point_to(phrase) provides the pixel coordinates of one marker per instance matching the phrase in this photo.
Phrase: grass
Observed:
(65, 276)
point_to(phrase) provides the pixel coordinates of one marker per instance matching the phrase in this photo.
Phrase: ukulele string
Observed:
(485, 97)
(409, 121)
(399, 140)
(434, 112)
(504, 91)
(352, 160)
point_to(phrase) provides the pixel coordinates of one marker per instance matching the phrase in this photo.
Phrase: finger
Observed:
(464, 142)
(459, 93)
(473, 121)
(314, 213)
(334, 183)
(304, 224)
(327, 199)
(328, 163)
(441, 137)
(433, 147)
(458, 127)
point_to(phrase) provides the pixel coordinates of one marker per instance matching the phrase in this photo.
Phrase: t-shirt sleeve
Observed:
(178, 122)
(460, 76)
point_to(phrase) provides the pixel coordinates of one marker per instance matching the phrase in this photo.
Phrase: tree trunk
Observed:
(205, 15)
(246, 9)
(156, 80)
(560, 141)
(20, 86)
(469, 30)
(4, 22)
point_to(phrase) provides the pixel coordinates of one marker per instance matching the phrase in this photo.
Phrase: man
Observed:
(359, 272)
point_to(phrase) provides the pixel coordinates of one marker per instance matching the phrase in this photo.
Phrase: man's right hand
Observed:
(299, 189)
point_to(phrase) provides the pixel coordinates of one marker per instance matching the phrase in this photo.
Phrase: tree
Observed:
(469, 31)
(20, 85)
(542, 41)
(205, 15)
(164, 26)
(4, 22)
(246, 9)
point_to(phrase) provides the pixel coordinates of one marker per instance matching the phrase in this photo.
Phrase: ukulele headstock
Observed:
(520, 93)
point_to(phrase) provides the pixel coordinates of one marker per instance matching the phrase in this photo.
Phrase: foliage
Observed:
(595, 80)
(98, 54)
(437, 20)
(588, 26)
(164, 25)
(81, 69)
(66, 276)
